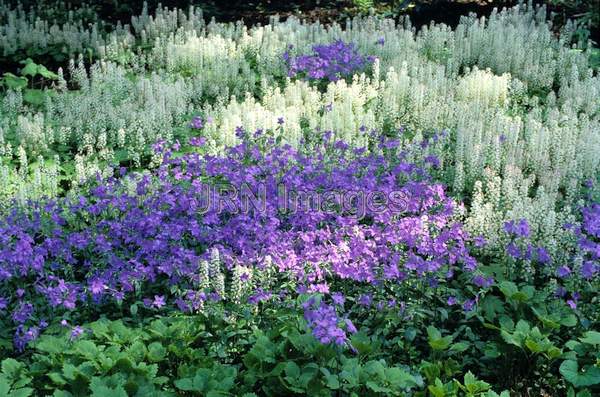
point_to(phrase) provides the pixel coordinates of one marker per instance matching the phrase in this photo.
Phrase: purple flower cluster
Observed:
(519, 248)
(325, 323)
(589, 241)
(114, 243)
(331, 61)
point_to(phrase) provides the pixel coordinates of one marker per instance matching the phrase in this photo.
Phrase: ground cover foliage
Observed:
(200, 208)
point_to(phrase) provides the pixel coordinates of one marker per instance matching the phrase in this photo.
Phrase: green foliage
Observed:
(29, 73)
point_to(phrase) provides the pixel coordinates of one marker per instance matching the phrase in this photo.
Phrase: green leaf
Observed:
(24, 392)
(459, 347)
(532, 345)
(156, 352)
(50, 344)
(332, 382)
(569, 320)
(433, 333)
(61, 393)
(11, 368)
(4, 387)
(13, 82)
(436, 341)
(591, 337)
(292, 370)
(507, 324)
(100, 388)
(57, 378)
(45, 73)
(508, 288)
(87, 349)
(34, 97)
(30, 69)
(569, 369)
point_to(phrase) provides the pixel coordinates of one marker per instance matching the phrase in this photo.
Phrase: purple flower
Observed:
(198, 141)
(280, 121)
(519, 229)
(560, 292)
(480, 241)
(513, 250)
(76, 332)
(365, 300)
(321, 288)
(589, 270)
(483, 282)
(324, 323)
(97, 286)
(197, 123)
(452, 301)
(469, 305)
(572, 304)
(338, 298)
(542, 256)
(380, 41)
(350, 326)
(563, 271)
(158, 302)
(433, 160)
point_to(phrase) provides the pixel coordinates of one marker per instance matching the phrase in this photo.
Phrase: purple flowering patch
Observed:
(330, 61)
(114, 243)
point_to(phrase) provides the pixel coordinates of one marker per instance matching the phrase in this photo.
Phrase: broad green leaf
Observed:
(13, 82)
(591, 337)
(11, 368)
(4, 387)
(45, 73)
(569, 369)
(292, 369)
(156, 352)
(24, 392)
(34, 97)
(569, 320)
(508, 288)
(459, 347)
(30, 69)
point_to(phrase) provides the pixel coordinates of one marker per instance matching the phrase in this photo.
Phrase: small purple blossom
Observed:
(483, 282)
(518, 229)
(542, 256)
(338, 298)
(158, 302)
(513, 250)
(469, 305)
(563, 271)
(480, 241)
(198, 141)
(197, 123)
(76, 332)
